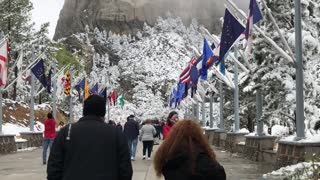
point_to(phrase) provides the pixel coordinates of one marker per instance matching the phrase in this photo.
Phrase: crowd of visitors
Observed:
(93, 149)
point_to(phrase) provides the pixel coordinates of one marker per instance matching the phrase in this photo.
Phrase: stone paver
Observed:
(27, 165)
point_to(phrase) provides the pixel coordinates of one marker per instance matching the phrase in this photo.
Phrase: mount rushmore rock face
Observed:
(128, 16)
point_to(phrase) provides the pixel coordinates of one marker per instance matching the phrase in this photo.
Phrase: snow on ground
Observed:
(301, 171)
(280, 131)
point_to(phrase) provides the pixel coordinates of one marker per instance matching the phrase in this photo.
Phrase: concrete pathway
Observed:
(27, 165)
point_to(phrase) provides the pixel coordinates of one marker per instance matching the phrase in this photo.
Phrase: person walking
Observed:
(171, 120)
(119, 126)
(49, 135)
(90, 148)
(147, 134)
(185, 154)
(131, 131)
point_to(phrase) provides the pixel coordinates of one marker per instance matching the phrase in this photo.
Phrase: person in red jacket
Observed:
(171, 120)
(49, 135)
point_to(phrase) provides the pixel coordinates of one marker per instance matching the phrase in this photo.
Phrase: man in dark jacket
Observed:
(131, 131)
(90, 149)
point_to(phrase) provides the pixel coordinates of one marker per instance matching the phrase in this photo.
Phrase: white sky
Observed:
(49, 10)
(46, 11)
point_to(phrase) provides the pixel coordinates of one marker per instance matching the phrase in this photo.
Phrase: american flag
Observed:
(253, 17)
(185, 75)
(4, 55)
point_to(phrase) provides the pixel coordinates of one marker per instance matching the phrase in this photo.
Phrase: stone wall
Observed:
(256, 144)
(7, 144)
(294, 152)
(34, 139)
(209, 133)
(219, 138)
(233, 139)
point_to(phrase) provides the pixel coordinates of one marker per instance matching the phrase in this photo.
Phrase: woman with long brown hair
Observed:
(186, 154)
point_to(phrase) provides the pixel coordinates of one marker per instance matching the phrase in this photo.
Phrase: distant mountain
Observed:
(128, 16)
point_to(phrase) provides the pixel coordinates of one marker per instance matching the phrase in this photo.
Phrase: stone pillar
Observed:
(234, 138)
(256, 144)
(219, 138)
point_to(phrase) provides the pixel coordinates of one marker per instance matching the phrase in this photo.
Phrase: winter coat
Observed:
(49, 129)
(165, 131)
(119, 127)
(131, 129)
(147, 132)
(178, 167)
(90, 149)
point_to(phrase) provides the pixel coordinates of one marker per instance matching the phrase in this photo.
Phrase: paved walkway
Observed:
(27, 165)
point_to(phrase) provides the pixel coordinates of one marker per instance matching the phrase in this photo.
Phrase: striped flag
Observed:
(86, 92)
(253, 17)
(185, 75)
(4, 55)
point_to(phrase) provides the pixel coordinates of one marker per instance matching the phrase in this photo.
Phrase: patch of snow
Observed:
(279, 131)
(9, 128)
(243, 130)
(27, 149)
(20, 140)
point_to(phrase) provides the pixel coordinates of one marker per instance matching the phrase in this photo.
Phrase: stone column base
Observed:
(256, 144)
(7, 144)
(34, 139)
(293, 152)
(234, 138)
(219, 138)
(209, 133)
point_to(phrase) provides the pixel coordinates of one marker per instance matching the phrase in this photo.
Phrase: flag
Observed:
(207, 60)
(121, 100)
(185, 75)
(253, 17)
(86, 90)
(103, 93)
(19, 66)
(231, 30)
(80, 85)
(94, 89)
(67, 83)
(173, 97)
(60, 84)
(39, 72)
(112, 98)
(49, 81)
(4, 56)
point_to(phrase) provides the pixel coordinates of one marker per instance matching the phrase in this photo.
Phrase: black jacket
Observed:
(131, 129)
(94, 151)
(178, 167)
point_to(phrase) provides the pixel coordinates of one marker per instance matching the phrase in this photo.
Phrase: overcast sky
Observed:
(48, 11)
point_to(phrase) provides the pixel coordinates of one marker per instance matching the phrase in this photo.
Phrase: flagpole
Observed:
(70, 101)
(299, 73)
(1, 90)
(32, 97)
(221, 126)
(236, 97)
(259, 112)
(211, 110)
(54, 95)
(203, 108)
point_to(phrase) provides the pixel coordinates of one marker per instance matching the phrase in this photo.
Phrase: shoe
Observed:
(132, 159)
(143, 157)
(149, 159)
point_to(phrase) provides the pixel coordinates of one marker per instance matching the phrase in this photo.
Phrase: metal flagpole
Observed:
(259, 113)
(203, 108)
(54, 95)
(236, 97)
(108, 100)
(70, 100)
(1, 88)
(211, 110)
(32, 97)
(299, 72)
(221, 126)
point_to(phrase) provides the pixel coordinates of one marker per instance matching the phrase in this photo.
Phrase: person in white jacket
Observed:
(147, 134)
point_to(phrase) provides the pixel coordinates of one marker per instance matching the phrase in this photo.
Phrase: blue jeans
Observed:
(46, 143)
(133, 146)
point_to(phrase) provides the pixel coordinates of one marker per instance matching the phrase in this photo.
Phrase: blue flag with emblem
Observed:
(231, 31)
(207, 58)
(39, 72)
(80, 85)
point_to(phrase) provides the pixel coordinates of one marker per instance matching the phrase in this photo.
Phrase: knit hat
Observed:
(94, 105)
